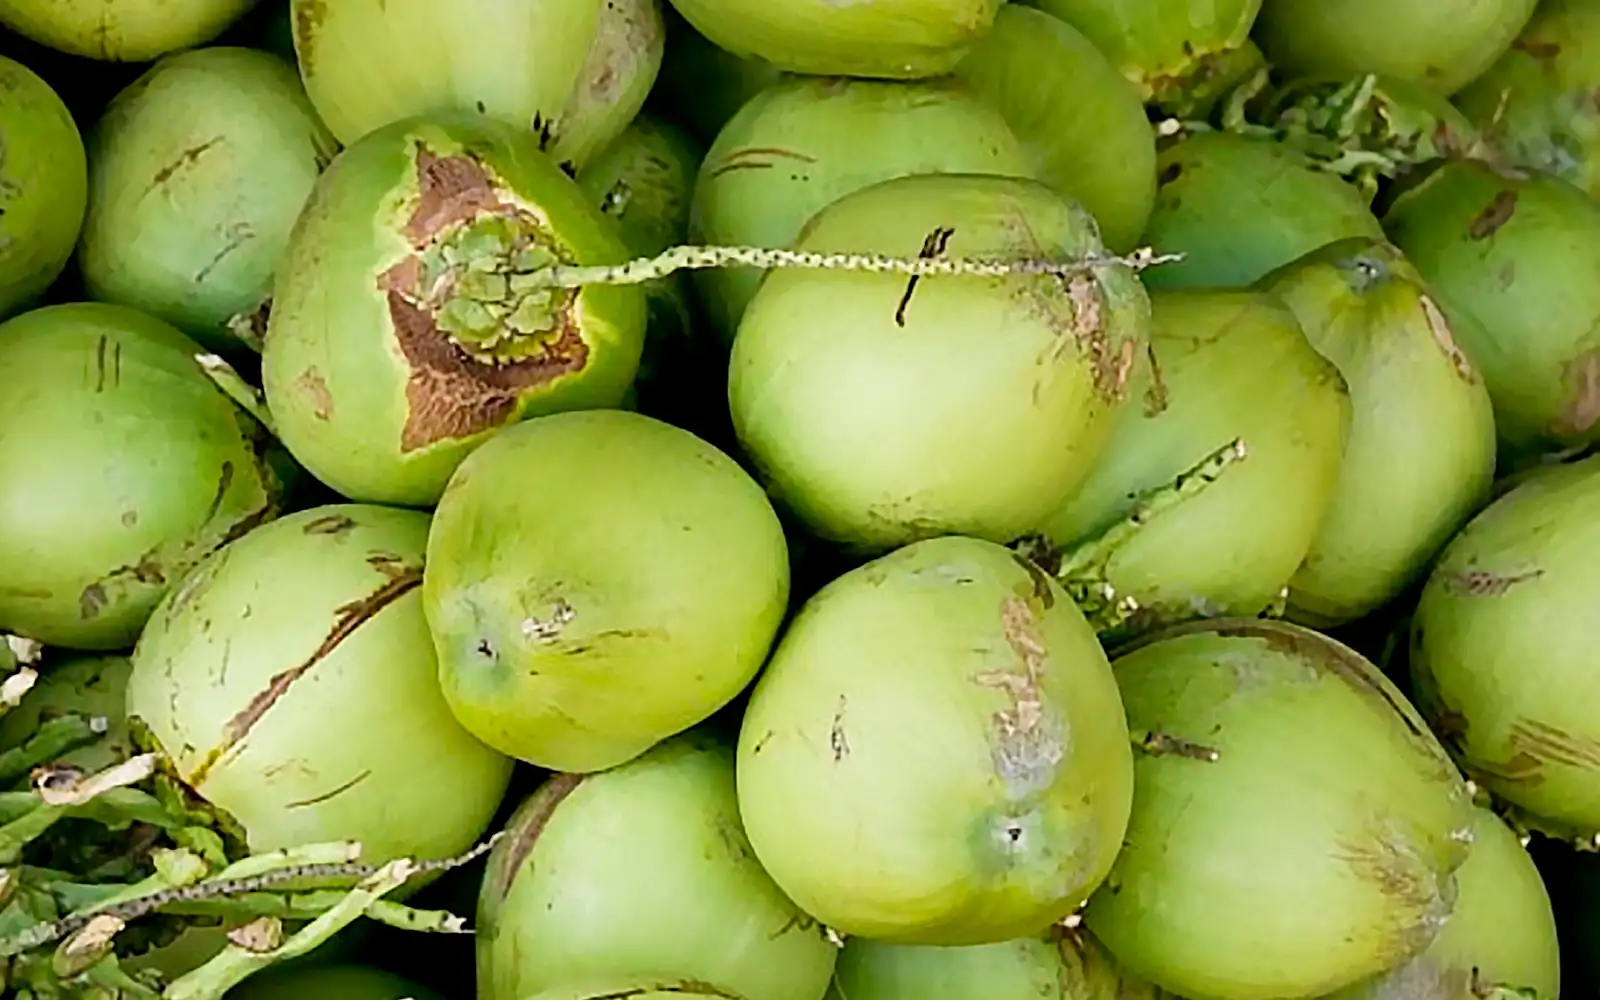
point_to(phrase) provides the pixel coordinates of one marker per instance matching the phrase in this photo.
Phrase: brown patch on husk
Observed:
(449, 393)
(1582, 377)
(1024, 741)
(1482, 583)
(350, 617)
(1498, 212)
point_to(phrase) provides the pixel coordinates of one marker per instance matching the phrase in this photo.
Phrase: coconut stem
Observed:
(248, 397)
(681, 258)
(1081, 570)
(236, 963)
(53, 740)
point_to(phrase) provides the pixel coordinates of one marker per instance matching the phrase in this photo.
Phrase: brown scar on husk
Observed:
(308, 17)
(1331, 658)
(184, 159)
(1156, 398)
(315, 387)
(1110, 365)
(1549, 744)
(107, 364)
(1439, 326)
(329, 524)
(331, 793)
(1025, 742)
(1536, 48)
(450, 394)
(504, 865)
(1496, 214)
(1038, 587)
(350, 617)
(1483, 583)
(1399, 872)
(838, 742)
(688, 986)
(749, 158)
(1166, 745)
(1582, 377)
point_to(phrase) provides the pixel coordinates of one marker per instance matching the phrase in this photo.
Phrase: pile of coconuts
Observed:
(741, 500)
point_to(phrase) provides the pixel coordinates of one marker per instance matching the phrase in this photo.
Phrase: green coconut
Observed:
(855, 394)
(124, 465)
(1420, 455)
(43, 186)
(1500, 936)
(642, 871)
(576, 628)
(1059, 964)
(806, 142)
(1442, 43)
(248, 673)
(886, 39)
(575, 71)
(90, 687)
(1180, 54)
(1538, 97)
(953, 729)
(1521, 255)
(701, 86)
(1078, 120)
(1295, 826)
(1229, 366)
(331, 982)
(1500, 653)
(121, 30)
(380, 375)
(198, 171)
(1238, 207)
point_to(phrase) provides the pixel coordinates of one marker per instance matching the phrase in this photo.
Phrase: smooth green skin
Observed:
(1502, 926)
(43, 186)
(121, 30)
(1165, 47)
(334, 982)
(673, 603)
(865, 428)
(261, 608)
(1530, 283)
(1550, 121)
(1234, 365)
(1500, 649)
(804, 143)
(1318, 849)
(1057, 965)
(117, 451)
(89, 686)
(1443, 43)
(880, 39)
(1420, 454)
(1240, 207)
(1077, 118)
(334, 375)
(198, 171)
(949, 727)
(583, 67)
(641, 872)
(701, 86)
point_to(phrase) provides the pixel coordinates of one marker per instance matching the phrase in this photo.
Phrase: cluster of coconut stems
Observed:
(261, 892)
